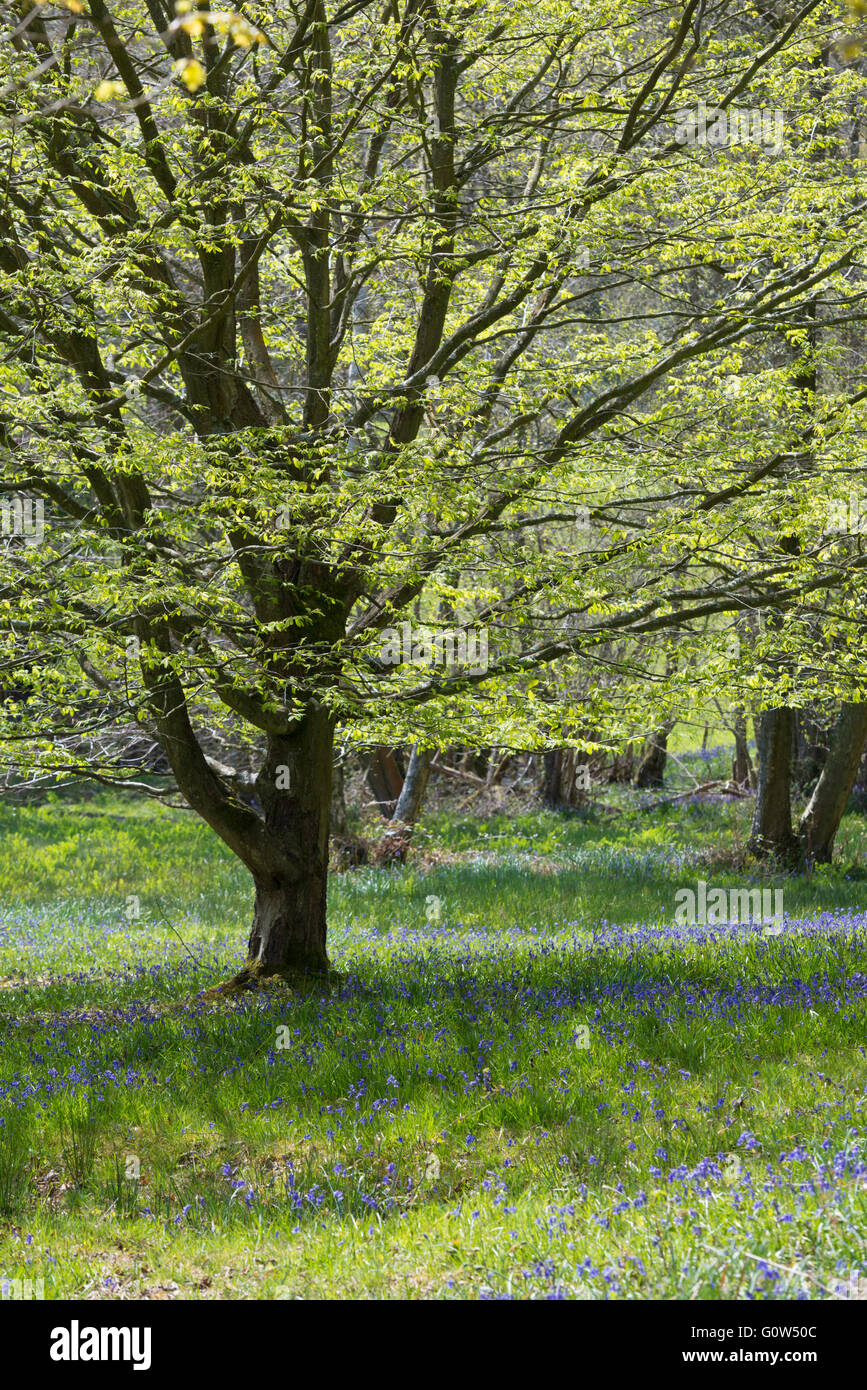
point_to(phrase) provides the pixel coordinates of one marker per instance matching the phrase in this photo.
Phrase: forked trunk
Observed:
(821, 819)
(812, 744)
(396, 841)
(385, 779)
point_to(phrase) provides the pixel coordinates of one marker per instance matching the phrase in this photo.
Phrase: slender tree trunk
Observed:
(350, 849)
(552, 778)
(771, 834)
(651, 769)
(821, 819)
(497, 767)
(385, 779)
(414, 784)
(623, 765)
(398, 835)
(812, 745)
(742, 770)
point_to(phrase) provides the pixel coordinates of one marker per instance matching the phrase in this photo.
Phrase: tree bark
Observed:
(475, 760)
(350, 849)
(289, 917)
(742, 769)
(278, 827)
(623, 765)
(771, 834)
(398, 835)
(385, 779)
(552, 778)
(651, 769)
(562, 783)
(820, 821)
(812, 745)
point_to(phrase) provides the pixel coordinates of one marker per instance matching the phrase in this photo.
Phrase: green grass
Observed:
(449, 1134)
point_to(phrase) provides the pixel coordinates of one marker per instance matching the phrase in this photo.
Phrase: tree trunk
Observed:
(623, 765)
(566, 780)
(812, 745)
(289, 921)
(349, 849)
(277, 826)
(821, 819)
(771, 834)
(742, 769)
(475, 760)
(497, 767)
(398, 835)
(385, 779)
(651, 769)
(552, 778)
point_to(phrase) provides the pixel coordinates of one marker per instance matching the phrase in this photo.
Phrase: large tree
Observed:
(320, 317)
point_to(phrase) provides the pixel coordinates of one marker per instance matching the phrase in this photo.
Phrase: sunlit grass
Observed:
(438, 1128)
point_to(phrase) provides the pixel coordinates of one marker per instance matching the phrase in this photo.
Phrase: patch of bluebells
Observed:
(501, 994)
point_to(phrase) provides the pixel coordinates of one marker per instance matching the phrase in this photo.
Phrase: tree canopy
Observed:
(319, 318)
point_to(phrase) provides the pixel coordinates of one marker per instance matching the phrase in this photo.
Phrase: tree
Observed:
(565, 779)
(771, 833)
(742, 767)
(304, 337)
(398, 833)
(651, 770)
(821, 818)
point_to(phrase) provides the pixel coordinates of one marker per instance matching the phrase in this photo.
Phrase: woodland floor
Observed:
(552, 1092)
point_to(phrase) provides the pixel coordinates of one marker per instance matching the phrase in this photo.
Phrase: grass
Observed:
(554, 1091)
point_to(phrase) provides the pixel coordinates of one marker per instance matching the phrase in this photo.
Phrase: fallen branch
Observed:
(727, 788)
(459, 776)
